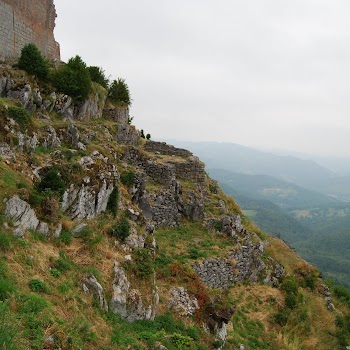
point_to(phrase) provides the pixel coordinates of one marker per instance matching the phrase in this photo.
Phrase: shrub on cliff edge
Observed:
(73, 79)
(34, 62)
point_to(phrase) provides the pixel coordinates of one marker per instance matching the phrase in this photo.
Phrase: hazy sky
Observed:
(263, 73)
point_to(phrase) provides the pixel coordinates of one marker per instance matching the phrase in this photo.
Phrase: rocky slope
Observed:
(109, 241)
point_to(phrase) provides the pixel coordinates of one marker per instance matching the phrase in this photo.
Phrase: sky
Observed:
(271, 74)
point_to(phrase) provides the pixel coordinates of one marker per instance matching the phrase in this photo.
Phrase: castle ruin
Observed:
(27, 21)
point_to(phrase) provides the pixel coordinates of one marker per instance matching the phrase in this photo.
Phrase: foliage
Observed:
(148, 136)
(37, 285)
(143, 263)
(6, 240)
(97, 74)
(19, 115)
(8, 328)
(33, 62)
(142, 134)
(54, 272)
(127, 178)
(63, 264)
(119, 92)
(113, 201)
(65, 237)
(73, 79)
(52, 181)
(121, 229)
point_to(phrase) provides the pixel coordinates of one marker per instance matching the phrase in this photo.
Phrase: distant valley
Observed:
(306, 204)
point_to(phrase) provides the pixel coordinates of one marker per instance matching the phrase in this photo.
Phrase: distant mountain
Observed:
(262, 187)
(270, 217)
(241, 159)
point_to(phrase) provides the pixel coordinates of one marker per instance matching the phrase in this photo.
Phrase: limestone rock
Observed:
(21, 213)
(87, 201)
(90, 283)
(51, 140)
(127, 302)
(182, 302)
(6, 151)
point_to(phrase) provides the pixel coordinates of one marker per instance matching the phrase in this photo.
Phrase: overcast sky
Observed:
(263, 73)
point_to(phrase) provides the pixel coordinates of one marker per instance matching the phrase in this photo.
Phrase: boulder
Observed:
(90, 283)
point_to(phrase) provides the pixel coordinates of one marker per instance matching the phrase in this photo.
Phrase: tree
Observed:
(98, 75)
(33, 62)
(119, 92)
(73, 79)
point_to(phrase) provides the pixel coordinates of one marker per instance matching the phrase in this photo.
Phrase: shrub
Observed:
(65, 237)
(63, 264)
(113, 200)
(281, 317)
(33, 62)
(52, 181)
(290, 285)
(148, 136)
(73, 79)
(32, 303)
(98, 75)
(50, 207)
(54, 272)
(121, 229)
(119, 92)
(19, 115)
(127, 178)
(142, 134)
(291, 301)
(143, 265)
(37, 286)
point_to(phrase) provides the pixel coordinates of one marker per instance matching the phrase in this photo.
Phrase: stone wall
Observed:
(27, 21)
(164, 148)
(192, 170)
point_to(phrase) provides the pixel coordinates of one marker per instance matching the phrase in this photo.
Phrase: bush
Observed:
(98, 75)
(65, 237)
(7, 287)
(119, 92)
(52, 181)
(113, 200)
(281, 317)
(73, 79)
(63, 264)
(291, 301)
(290, 285)
(55, 273)
(148, 136)
(19, 115)
(127, 178)
(143, 265)
(121, 229)
(37, 286)
(32, 303)
(33, 62)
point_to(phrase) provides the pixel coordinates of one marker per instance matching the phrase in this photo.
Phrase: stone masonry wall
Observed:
(164, 148)
(27, 21)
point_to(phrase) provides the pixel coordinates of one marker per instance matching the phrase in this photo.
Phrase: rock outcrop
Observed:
(127, 302)
(90, 283)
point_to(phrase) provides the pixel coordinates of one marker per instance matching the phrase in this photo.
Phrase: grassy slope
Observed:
(58, 305)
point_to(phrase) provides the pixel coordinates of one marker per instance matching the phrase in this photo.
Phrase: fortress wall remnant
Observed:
(27, 21)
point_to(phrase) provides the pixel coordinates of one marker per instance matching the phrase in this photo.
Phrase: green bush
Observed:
(119, 92)
(73, 79)
(98, 75)
(33, 62)
(63, 264)
(143, 263)
(7, 288)
(127, 178)
(32, 303)
(55, 273)
(121, 229)
(52, 181)
(65, 237)
(291, 301)
(37, 286)
(113, 200)
(19, 115)
(281, 317)
(148, 136)
(290, 285)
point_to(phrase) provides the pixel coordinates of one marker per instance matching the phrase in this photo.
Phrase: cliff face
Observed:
(27, 21)
(114, 242)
